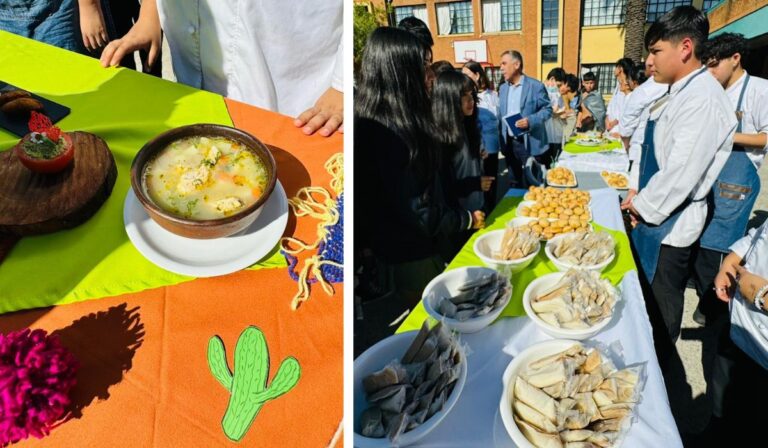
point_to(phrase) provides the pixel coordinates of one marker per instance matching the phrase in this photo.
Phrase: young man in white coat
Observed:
(738, 184)
(688, 139)
(287, 57)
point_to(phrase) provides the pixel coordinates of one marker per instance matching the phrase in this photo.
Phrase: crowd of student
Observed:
(695, 126)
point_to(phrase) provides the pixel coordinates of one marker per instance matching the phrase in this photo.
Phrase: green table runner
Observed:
(126, 109)
(505, 211)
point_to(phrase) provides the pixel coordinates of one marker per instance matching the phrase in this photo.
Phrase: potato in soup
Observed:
(205, 178)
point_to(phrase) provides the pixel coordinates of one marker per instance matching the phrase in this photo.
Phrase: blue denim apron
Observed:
(647, 237)
(55, 22)
(735, 192)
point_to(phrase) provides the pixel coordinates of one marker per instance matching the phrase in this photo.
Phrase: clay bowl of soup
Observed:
(204, 181)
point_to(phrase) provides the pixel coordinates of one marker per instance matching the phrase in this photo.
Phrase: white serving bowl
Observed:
(563, 266)
(489, 242)
(447, 284)
(518, 363)
(375, 359)
(545, 283)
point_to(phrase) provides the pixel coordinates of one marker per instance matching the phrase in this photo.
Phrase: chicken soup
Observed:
(205, 178)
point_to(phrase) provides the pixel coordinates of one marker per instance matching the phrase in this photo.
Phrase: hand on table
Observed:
(522, 123)
(325, 117)
(478, 219)
(92, 25)
(749, 283)
(144, 35)
(486, 182)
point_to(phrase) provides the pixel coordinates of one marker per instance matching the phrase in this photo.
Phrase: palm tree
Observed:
(634, 33)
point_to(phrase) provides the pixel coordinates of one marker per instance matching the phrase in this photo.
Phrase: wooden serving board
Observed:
(33, 203)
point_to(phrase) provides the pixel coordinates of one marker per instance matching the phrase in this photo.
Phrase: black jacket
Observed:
(400, 214)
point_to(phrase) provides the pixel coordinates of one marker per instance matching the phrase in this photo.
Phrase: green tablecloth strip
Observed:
(505, 211)
(126, 109)
(573, 148)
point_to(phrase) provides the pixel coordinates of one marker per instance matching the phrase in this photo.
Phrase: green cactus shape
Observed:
(247, 384)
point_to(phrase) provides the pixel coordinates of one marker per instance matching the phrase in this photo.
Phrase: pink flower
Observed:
(36, 375)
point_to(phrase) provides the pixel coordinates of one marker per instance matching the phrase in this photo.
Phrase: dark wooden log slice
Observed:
(34, 204)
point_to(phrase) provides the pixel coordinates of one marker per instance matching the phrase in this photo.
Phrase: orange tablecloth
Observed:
(144, 379)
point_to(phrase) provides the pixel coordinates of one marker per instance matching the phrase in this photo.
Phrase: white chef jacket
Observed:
(693, 140)
(749, 326)
(755, 111)
(616, 105)
(489, 99)
(635, 116)
(278, 55)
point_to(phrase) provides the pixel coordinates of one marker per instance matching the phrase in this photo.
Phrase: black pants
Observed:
(515, 155)
(665, 298)
(491, 168)
(401, 284)
(549, 155)
(124, 14)
(706, 265)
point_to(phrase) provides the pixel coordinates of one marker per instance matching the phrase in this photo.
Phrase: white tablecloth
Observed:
(616, 160)
(475, 420)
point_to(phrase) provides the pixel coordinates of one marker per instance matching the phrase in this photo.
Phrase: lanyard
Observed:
(664, 98)
(739, 113)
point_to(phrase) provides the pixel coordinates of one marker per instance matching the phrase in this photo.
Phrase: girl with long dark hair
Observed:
(400, 210)
(488, 120)
(454, 109)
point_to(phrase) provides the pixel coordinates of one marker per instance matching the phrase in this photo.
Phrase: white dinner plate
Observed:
(207, 258)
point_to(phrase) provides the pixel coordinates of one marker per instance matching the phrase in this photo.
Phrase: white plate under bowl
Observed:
(207, 258)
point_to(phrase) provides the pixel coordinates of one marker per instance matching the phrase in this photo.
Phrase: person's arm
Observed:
(544, 108)
(725, 280)
(327, 115)
(92, 26)
(145, 34)
(750, 284)
(633, 109)
(695, 138)
(758, 141)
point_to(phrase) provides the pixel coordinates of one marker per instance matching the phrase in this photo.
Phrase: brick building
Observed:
(578, 35)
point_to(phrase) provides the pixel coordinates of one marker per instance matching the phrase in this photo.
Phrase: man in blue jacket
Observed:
(520, 94)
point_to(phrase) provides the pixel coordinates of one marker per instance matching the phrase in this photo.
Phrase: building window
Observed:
(502, 15)
(455, 18)
(549, 30)
(606, 81)
(494, 76)
(657, 8)
(604, 12)
(709, 4)
(419, 11)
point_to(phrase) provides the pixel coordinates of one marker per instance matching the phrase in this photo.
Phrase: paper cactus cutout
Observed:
(248, 383)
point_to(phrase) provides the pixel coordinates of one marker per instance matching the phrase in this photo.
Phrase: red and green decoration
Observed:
(46, 149)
